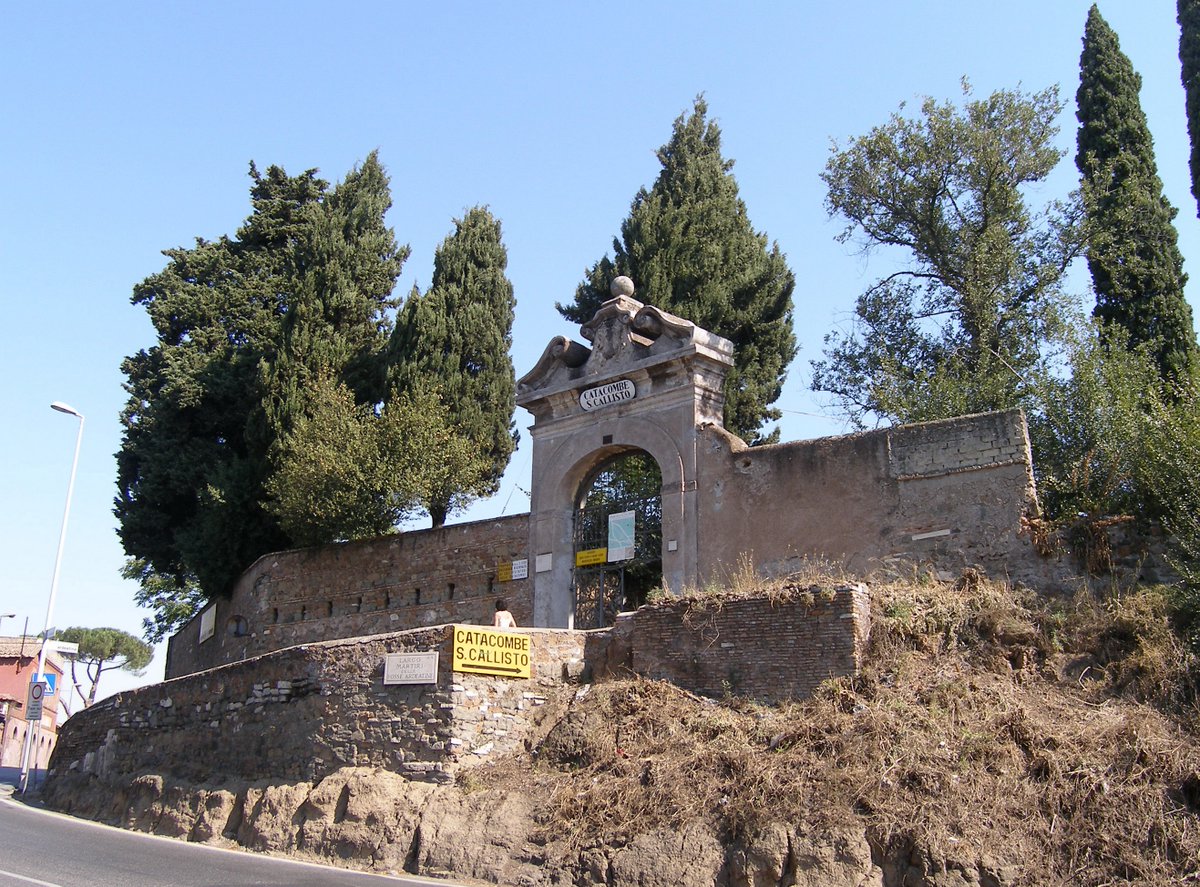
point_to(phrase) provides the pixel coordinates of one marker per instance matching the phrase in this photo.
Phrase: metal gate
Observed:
(618, 538)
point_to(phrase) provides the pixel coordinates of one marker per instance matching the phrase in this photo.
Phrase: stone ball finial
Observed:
(621, 286)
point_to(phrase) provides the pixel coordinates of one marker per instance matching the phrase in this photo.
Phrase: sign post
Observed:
(33, 703)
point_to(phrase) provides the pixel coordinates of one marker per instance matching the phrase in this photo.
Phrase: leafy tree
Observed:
(1132, 251)
(690, 248)
(101, 650)
(459, 335)
(346, 472)
(241, 324)
(1189, 60)
(962, 326)
(174, 600)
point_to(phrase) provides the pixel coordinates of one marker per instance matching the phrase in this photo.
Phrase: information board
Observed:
(487, 651)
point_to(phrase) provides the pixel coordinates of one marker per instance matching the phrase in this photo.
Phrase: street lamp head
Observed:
(64, 408)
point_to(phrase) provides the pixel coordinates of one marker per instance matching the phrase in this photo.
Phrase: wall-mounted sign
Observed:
(620, 536)
(507, 571)
(606, 395)
(485, 651)
(544, 563)
(591, 556)
(410, 668)
(208, 623)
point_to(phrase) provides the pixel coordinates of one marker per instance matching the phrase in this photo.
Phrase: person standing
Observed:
(503, 618)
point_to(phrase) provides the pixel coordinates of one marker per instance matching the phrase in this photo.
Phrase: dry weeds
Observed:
(974, 731)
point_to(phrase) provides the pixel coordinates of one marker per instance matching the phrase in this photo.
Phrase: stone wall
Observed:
(374, 586)
(770, 648)
(947, 494)
(942, 495)
(302, 712)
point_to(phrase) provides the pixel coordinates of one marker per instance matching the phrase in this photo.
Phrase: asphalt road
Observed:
(52, 850)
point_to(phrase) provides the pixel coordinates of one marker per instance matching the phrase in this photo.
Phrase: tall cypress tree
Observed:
(345, 263)
(690, 249)
(1189, 62)
(1132, 250)
(457, 337)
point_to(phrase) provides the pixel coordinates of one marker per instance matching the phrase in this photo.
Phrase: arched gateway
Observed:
(646, 385)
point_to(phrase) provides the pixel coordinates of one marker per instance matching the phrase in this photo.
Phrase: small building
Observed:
(18, 665)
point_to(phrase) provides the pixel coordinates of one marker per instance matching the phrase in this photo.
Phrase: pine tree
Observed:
(244, 326)
(1132, 251)
(1189, 61)
(192, 462)
(690, 249)
(457, 337)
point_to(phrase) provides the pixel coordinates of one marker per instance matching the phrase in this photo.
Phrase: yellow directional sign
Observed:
(591, 556)
(487, 651)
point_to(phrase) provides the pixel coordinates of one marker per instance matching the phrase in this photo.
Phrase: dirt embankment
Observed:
(995, 738)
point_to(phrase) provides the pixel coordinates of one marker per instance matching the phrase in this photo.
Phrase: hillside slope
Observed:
(995, 738)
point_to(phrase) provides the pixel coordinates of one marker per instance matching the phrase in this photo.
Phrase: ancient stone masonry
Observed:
(374, 586)
(939, 496)
(771, 649)
(303, 712)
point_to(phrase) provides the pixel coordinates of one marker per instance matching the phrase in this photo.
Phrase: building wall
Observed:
(16, 671)
(375, 586)
(302, 712)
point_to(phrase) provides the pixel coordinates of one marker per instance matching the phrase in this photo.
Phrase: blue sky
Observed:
(126, 129)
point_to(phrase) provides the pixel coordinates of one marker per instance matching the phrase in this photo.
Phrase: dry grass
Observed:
(973, 731)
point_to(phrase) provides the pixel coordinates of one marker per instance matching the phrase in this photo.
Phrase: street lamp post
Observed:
(62, 538)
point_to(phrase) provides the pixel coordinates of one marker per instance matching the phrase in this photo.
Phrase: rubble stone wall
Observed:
(302, 712)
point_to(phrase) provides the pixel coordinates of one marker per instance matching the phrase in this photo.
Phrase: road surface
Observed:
(46, 849)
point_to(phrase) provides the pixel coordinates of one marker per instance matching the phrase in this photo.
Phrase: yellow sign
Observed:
(504, 572)
(591, 556)
(486, 651)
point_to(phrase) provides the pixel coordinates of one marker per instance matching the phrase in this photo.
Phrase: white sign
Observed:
(208, 623)
(620, 536)
(410, 668)
(521, 569)
(544, 563)
(606, 395)
(33, 702)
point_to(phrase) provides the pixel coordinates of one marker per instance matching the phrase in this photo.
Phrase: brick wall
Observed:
(373, 586)
(768, 648)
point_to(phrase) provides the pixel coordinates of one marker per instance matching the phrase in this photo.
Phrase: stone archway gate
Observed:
(648, 382)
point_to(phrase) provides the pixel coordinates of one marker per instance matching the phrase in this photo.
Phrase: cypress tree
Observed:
(690, 249)
(1189, 62)
(346, 262)
(1132, 250)
(457, 338)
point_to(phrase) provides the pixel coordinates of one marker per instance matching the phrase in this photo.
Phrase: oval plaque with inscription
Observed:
(606, 395)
